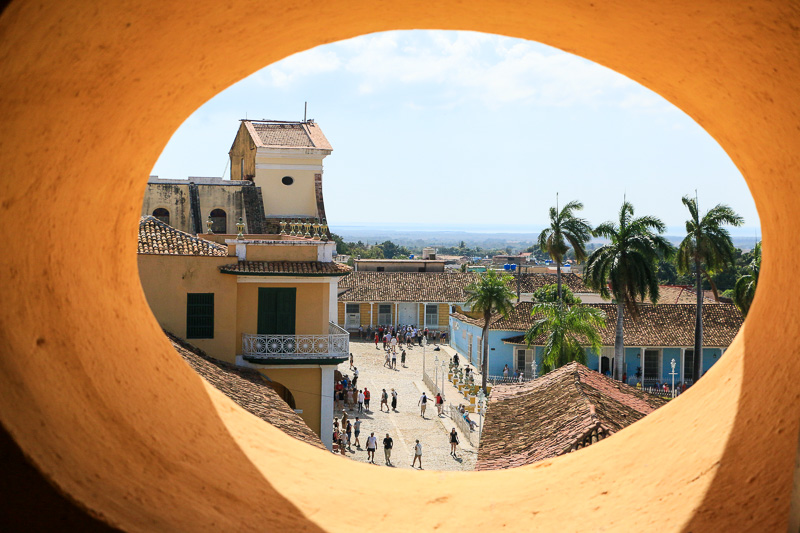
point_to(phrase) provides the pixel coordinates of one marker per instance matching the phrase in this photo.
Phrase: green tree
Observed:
(488, 295)
(707, 248)
(549, 293)
(745, 289)
(565, 230)
(566, 330)
(629, 264)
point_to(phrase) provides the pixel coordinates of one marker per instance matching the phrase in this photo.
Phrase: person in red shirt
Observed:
(366, 399)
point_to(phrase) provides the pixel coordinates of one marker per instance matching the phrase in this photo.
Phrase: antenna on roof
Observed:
(305, 112)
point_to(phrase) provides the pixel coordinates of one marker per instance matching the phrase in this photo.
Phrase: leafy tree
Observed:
(549, 293)
(565, 230)
(628, 264)
(667, 272)
(567, 329)
(707, 248)
(488, 295)
(745, 289)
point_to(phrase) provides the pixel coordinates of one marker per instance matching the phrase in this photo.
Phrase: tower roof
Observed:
(283, 134)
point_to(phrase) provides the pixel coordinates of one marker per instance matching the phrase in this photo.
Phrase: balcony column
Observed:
(326, 405)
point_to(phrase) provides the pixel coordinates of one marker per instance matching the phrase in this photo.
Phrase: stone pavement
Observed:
(405, 425)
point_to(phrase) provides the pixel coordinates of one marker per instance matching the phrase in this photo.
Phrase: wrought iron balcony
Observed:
(336, 344)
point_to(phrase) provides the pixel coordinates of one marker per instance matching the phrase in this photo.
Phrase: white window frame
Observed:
(384, 319)
(435, 323)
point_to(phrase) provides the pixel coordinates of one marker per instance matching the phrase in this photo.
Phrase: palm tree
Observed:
(565, 230)
(568, 328)
(745, 289)
(627, 267)
(707, 248)
(489, 295)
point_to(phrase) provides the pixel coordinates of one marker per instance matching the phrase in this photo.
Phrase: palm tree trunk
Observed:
(698, 324)
(485, 349)
(558, 278)
(619, 341)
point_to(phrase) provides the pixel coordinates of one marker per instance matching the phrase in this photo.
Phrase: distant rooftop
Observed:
(287, 134)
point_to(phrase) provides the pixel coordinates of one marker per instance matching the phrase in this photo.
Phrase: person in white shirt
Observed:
(423, 403)
(393, 343)
(417, 455)
(372, 444)
(360, 401)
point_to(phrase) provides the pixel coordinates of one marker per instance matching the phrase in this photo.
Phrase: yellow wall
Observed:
(166, 279)
(341, 317)
(444, 316)
(311, 305)
(305, 385)
(299, 198)
(242, 148)
(172, 197)
(281, 253)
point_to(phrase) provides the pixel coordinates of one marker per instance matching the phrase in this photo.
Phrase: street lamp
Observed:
(672, 364)
(424, 345)
(436, 372)
(444, 372)
(481, 412)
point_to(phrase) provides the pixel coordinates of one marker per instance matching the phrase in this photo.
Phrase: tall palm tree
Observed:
(565, 230)
(567, 329)
(707, 248)
(627, 267)
(745, 289)
(489, 295)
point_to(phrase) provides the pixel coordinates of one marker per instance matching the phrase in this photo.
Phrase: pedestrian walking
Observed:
(387, 449)
(349, 432)
(372, 444)
(423, 403)
(387, 362)
(357, 431)
(366, 399)
(360, 401)
(376, 340)
(403, 358)
(394, 361)
(453, 442)
(417, 455)
(351, 360)
(384, 400)
(439, 404)
(394, 400)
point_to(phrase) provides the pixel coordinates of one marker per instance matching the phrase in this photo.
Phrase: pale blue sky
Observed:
(443, 129)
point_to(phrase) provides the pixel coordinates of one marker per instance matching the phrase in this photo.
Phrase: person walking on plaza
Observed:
(453, 442)
(384, 401)
(351, 360)
(357, 432)
(394, 360)
(349, 432)
(403, 358)
(394, 400)
(423, 403)
(387, 449)
(366, 399)
(372, 444)
(439, 404)
(387, 362)
(376, 340)
(360, 401)
(417, 455)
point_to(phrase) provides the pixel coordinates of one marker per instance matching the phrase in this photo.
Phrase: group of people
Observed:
(347, 394)
(423, 404)
(392, 336)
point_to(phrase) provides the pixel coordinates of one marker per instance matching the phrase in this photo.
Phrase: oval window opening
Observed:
(287, 180)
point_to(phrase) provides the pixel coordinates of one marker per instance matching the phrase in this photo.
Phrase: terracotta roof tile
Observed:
(556, 413)
(531, 282)
(287, 134)
(156, 237)
(657, 325)
(249, 389)
(286, 268)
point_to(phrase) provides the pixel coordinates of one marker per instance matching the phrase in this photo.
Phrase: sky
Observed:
(462, 130)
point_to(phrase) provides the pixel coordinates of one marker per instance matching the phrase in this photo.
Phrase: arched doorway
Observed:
(219, 221)
(161, 214)
(285, 394)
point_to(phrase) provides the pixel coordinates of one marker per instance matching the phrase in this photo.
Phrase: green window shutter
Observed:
(276, 311)
(200, 315)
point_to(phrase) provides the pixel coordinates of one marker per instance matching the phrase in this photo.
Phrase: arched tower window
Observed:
(162, 215)
(219, 221)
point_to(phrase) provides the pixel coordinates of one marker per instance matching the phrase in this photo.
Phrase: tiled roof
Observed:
(287, 134)
(531, 282)
(679, 294)
(564, 410)
(433, 286)
(249, 389)
(286, 268)
(156, 237)
(405, 286)
(656, 325)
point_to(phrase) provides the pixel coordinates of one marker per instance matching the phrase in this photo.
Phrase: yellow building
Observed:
(275, 173)
(260, 301)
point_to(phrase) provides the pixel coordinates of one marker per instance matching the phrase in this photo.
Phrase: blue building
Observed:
(660, 334)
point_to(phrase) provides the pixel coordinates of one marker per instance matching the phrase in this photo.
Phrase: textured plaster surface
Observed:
(97, 400)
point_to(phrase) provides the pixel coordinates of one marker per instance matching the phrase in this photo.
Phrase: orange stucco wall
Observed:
(86, 373)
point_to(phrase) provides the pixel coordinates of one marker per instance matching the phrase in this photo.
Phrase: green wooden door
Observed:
(276, 311)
